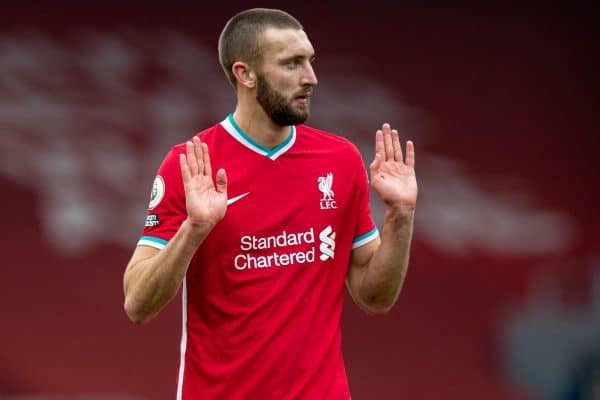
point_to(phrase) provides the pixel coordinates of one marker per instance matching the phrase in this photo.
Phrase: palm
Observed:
(392, 177)
(205, 203)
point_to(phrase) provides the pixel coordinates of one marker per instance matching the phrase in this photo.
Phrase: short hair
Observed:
(240, 39)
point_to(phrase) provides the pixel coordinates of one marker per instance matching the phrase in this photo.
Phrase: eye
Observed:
(292, 64)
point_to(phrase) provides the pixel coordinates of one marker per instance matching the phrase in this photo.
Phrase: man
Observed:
(262, 251)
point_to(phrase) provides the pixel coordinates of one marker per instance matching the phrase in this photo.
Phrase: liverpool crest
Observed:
(325, 186)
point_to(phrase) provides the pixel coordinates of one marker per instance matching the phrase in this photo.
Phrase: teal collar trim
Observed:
(238, 134)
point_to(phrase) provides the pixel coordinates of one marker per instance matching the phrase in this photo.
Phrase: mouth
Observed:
(303, 98)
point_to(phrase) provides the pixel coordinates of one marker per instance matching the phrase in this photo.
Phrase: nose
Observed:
(309, 77)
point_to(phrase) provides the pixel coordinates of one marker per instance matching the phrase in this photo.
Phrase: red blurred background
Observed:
(502, 299)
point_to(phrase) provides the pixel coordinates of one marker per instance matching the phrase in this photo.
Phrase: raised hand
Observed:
(206, 202)
(393, 177)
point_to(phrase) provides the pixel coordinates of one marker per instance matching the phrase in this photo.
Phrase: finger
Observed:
(396, 145)
(185, 170)
(199, 154)
(207, 166)
(410, 154)
(191, 158)
(387, 142)
(221, 181)
(375, 165)
(379, 147)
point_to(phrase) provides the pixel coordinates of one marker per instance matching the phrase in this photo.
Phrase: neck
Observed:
(259, 126)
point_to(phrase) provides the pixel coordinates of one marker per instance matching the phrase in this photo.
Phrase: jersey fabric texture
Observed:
(263, 295)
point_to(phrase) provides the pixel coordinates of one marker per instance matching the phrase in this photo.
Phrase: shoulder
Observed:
(319, 137)
(170, 162)
(206, 135)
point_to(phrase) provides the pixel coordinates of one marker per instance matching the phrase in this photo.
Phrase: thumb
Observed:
(221, 181)
(376, 163)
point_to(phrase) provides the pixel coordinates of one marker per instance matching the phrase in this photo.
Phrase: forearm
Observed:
(152, 282)
(387, 268)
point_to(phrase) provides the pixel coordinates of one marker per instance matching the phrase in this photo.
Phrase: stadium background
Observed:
(502, 299)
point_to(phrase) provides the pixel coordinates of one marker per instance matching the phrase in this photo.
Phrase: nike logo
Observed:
(236, 198)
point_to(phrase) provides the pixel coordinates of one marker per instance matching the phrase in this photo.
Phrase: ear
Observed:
(244, 74)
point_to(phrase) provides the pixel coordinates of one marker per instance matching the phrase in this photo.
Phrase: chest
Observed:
(298, 193)
(289, 224)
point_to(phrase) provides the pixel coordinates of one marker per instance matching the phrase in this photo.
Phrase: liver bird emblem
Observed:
(325, 184)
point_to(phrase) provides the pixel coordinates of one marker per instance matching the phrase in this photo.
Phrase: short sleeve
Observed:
(365, 230)
(166, 209)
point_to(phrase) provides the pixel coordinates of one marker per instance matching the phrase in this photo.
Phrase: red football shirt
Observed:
(262, 298)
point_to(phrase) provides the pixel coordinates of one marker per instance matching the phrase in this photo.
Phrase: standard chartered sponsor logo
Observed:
(327, 237)
(284, 239)
(254, 248)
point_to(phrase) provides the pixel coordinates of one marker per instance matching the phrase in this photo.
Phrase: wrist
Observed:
(399, 216)
(400, 213)
(196, 231)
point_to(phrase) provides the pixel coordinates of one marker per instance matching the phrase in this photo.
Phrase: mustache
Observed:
(308, 91)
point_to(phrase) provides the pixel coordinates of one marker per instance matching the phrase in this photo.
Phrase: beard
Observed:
(278, 108)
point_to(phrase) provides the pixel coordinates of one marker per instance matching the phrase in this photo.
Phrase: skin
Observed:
(287, 62)
(377, 269)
